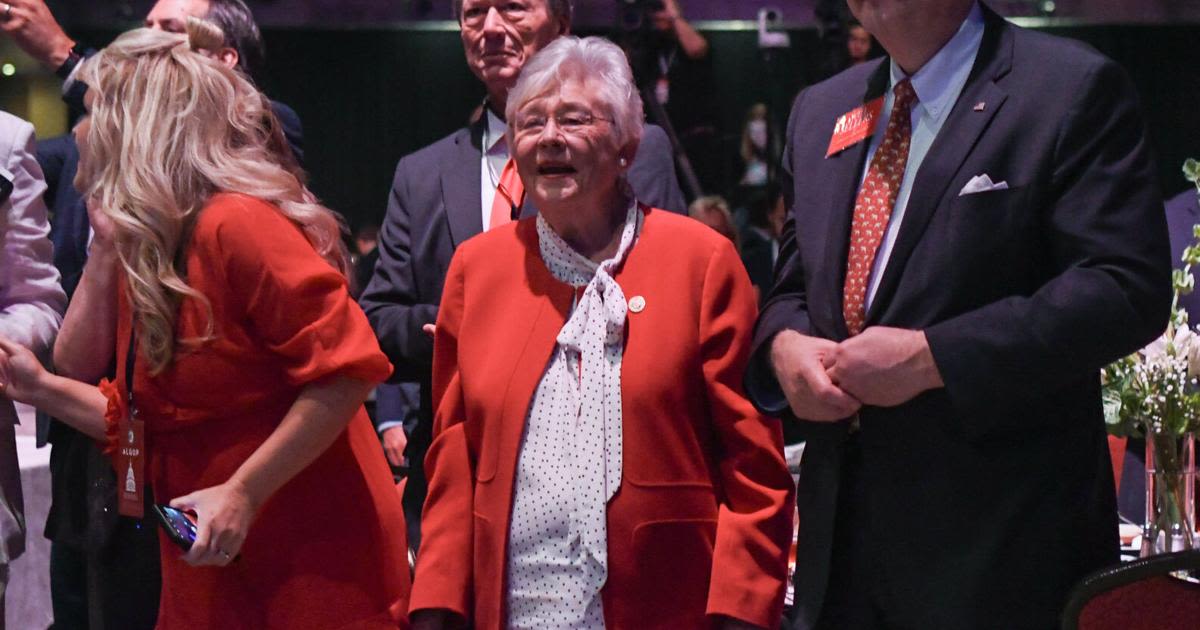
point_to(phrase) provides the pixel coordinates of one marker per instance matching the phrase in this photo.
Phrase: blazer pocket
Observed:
(987, 199)
(674, 570)
(667, 501)
(990, 217)
(668, 485)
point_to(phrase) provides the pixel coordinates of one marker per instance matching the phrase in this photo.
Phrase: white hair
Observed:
(595, 60)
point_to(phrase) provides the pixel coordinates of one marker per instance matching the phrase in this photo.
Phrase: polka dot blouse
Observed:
(569, 464)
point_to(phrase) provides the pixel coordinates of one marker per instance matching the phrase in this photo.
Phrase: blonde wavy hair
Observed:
(170, 127)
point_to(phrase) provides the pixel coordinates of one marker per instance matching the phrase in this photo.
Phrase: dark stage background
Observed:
(368, 96)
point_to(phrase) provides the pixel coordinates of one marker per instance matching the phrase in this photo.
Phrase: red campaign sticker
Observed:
(854, 126)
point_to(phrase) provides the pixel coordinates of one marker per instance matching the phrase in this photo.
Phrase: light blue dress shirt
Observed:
(938, 84)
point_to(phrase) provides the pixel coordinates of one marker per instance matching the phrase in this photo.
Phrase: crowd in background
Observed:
(532, 268)
(109, 570)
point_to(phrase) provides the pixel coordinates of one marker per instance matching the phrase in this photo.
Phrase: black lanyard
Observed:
(130, 360)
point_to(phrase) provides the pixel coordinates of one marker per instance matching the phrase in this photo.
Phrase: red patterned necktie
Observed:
(510, 194)
(873, 207)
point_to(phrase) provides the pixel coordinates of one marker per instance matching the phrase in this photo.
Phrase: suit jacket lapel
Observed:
(846, 170)
(461, 183)
(959, 135)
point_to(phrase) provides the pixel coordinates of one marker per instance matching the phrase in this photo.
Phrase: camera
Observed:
(770, 29)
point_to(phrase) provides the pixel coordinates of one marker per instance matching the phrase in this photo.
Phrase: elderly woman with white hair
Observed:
(595, 462)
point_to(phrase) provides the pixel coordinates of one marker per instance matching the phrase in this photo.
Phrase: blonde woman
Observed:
(251, 361)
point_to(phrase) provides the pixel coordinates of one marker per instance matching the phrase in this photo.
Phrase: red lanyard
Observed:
(130, 461)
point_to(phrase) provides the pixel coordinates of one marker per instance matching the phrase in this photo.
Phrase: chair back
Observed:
(1136, 595)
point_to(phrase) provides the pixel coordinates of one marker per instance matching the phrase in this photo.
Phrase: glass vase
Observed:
(1170, 523)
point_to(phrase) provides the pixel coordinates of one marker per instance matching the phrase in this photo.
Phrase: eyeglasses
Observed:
(570, 123)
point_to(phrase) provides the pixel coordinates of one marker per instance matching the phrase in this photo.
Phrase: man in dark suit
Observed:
(442, 195)
(104, 568)
(951, 280)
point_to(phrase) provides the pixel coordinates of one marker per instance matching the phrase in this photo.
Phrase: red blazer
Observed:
(701, 524)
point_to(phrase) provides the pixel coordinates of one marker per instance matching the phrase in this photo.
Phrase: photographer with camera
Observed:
(666, 18)
(672, 65)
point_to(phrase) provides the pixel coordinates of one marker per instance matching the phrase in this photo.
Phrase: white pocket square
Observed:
(981, 183)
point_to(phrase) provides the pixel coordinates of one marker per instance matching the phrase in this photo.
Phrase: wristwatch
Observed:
(74, 56)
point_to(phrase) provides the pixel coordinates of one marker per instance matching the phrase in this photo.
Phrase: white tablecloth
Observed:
(27, 604)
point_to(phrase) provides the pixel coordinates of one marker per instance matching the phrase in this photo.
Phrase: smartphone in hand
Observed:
(180, 527)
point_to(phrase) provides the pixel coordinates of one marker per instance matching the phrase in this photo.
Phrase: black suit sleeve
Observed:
(756, 256)
(786, 306)
(398, 402)
(1107, 288)
(653, 173)
(73, 95)
(391, 299)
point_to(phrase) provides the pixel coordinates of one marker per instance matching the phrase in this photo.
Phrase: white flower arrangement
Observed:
(1154, 393)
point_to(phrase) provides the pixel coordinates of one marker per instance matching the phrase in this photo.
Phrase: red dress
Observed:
(328, 549)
